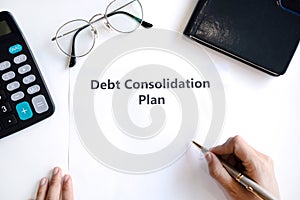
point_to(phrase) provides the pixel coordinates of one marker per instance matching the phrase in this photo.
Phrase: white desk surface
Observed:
(263, 109)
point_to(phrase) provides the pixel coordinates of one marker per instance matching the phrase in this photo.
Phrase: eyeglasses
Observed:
(76, 38)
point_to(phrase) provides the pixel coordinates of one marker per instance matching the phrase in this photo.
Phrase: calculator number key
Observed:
(9, 121)
(13, 86)
(17, 96)
(8, 76)
(29, 79)
(24, 69)
(5, 108)
(20, 59)
(33, 89)
(4, 65)
(2, 95)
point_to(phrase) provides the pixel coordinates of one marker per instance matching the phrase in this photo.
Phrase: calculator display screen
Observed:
(4, 28)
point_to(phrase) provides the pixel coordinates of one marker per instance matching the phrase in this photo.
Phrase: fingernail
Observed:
(208, 157)
(43, 181)
(66, 178)
(55, 171)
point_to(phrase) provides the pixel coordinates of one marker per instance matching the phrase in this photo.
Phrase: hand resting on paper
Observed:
(235, 151)
(52, 189)
(247, 160)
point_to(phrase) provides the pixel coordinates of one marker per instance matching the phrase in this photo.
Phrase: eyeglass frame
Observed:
(105, 16)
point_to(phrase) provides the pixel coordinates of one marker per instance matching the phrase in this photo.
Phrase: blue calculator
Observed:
(24, 97)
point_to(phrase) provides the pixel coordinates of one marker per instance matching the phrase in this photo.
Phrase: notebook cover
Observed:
(257, 32)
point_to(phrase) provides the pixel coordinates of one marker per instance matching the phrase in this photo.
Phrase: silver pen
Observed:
(249, 184)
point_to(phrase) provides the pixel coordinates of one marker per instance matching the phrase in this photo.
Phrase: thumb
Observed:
(219, 173)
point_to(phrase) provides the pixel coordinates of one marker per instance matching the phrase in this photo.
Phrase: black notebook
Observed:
(257, 32)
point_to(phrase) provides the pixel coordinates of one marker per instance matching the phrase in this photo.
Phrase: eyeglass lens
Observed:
(77, 38)
(126, 19)
(83, 42)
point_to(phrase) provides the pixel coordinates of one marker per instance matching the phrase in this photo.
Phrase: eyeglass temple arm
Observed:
(72, 62)
(143, 23)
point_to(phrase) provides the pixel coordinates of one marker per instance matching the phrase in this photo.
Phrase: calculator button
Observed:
(8, 76)
(9, 121)
(29, 79)
(4, 65)
(33, 89)
(19, 59)
(24, 111)
(17, 96)
(40, 104)
(15, 49)
(13, 86)
(2, 95)
(24, 69)
(5, 108)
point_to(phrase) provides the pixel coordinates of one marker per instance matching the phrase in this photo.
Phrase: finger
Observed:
(67, 188)
(237, 146)
(219, 173)
(42, 190)
(55, 184)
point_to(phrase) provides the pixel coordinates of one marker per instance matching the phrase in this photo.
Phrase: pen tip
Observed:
(198, 145)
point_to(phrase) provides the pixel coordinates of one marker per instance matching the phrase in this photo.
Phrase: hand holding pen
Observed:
(239, 156)
(243, 158)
